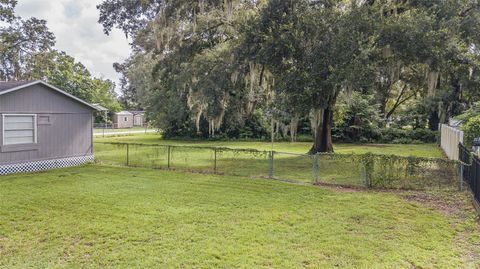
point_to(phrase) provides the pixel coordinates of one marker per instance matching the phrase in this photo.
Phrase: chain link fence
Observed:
(109, 130)
(394, 172)
(367, 170)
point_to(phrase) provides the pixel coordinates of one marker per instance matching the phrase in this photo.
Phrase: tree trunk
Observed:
(433, 120)
(454, 107)
(323, 138)
(382, 96)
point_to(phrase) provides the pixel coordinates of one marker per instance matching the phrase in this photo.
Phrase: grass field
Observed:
(420, 150)
(99, 217)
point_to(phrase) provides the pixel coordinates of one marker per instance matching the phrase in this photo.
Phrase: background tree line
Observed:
(27, 53)
(352, 70)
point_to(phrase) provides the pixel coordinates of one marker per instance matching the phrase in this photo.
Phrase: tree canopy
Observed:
(211, 67)
(6, 10)
(27, 53)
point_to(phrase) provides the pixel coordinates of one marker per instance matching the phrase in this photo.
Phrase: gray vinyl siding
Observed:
(68, 132)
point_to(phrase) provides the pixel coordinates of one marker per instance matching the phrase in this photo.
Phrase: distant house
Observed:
(138, 118)
(122, 119)
(43, 127)
(128, 119)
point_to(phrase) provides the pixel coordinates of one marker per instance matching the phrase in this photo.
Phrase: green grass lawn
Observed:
(99, 216)
(420, 150)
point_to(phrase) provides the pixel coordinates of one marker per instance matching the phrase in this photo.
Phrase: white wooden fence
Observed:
(450, 138)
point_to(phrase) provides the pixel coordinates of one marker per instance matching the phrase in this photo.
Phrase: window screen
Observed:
(18, 129)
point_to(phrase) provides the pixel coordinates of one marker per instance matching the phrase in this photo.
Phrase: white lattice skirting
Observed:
(36, 166)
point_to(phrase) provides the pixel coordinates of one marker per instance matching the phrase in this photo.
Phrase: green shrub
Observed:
(472, 112)
(471, 129)
(389, 135)
(256, 126)
(402, 140)
(424, 135)
(401, 136)
(356, 118)
(386, 136)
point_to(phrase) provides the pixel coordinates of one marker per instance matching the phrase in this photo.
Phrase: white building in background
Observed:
(128, 119)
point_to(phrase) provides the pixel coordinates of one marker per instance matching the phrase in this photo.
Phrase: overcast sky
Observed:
(74, 23)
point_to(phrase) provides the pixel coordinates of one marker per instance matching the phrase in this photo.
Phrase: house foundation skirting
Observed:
(35, 166)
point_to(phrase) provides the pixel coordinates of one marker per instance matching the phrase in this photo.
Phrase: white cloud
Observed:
(78, 33)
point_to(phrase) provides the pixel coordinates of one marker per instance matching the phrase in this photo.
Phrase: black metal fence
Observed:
(470, 170)
(368, 170)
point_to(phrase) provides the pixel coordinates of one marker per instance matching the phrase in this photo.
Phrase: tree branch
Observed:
(399, 102)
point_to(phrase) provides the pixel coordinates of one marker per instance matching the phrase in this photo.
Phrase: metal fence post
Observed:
(367, 178)
(128, 153)
(168, 157)
(365, 175)
(215, 160)
(270, 166)
(460, 176)
(314, 160)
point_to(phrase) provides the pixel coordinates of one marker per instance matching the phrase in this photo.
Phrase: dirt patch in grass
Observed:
(340, 188)
(438, 201)
(451, 203)
(459, 207)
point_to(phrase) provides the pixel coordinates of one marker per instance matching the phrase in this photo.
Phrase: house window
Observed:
(19, 129)
(125, 119)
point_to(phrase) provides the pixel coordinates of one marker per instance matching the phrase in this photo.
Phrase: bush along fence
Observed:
(368, 170)
(470, 172)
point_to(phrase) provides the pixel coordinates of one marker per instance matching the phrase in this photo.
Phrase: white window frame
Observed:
(35, 128)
